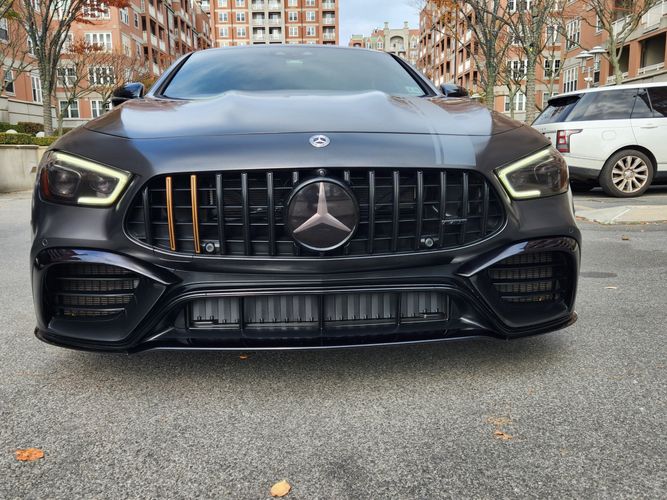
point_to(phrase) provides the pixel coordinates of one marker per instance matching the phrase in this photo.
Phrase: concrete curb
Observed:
(626, 214)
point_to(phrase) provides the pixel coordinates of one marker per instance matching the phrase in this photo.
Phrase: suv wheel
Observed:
(627, 174)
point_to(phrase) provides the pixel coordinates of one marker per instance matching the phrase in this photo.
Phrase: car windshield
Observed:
(557, 110)
(210, 73)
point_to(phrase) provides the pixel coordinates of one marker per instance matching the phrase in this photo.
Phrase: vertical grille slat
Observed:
(371, 211)
(195, 213)
(419, 209)
(245, 204)
(396, 186)
(220, 205)
(271, 213)
(234, 213)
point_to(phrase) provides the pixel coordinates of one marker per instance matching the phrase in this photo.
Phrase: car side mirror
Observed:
(453, 90)
(134, 90)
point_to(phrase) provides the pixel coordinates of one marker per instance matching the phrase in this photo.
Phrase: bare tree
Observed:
(618, 19)
(15, 58)
(528, 24)
(115, 71)
(47, 24)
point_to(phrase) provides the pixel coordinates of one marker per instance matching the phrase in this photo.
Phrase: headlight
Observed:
(536, 176)
(69, 179)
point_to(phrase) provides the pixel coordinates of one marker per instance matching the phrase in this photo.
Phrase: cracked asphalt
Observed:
(585, 407)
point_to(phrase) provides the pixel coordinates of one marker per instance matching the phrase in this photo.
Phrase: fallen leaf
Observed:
(611, 288)
(625, 238)
(244, 356)
(29, 455)
(502, 435)
(280, 489)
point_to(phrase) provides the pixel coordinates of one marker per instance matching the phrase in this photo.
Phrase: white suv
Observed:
(612, 136)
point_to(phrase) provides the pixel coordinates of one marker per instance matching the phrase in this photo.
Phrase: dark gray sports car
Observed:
(299, 197)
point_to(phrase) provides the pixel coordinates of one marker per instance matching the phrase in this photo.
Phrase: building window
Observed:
(570, 78)
(223, 17)
(71, 111)
(551, 68)
(293, 31)
(573, 31)
(310, 15)
(102, 40)
(124, 16)
(4, 30)
(66, 76)
(224, 32)
(36, 83)
(93, 9)
(241, 32)
(310, 30)
(240, 3)
(101, 75)
(240, 17)
(517, 69)
(553, 36)
(519, 102)
(8, 81)
(293, 16)
(97, 108)
(310, 3)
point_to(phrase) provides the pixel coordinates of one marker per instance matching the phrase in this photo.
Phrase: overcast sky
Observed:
(360, 17)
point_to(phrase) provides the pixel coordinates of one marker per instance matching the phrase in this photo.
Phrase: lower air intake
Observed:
(532, 278)
(319, 311)
(90, 291)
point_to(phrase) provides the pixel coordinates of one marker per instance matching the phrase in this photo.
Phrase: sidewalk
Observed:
(596, 207)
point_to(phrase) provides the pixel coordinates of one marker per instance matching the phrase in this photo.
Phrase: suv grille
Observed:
(242, 213)
(90, 291)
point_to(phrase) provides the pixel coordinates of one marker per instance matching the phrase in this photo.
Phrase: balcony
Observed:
(160, 18)
(275, 37)
(653, 18)
(329, 36)
(151, 10)
(162, 45)
(275, 6)
(329, 5)
(156, 69)
(258, 21)
(329, 21)
(650, 69)
(611, 79)
(275, 21)
(259, 37)
(258, 6)
(153, 40)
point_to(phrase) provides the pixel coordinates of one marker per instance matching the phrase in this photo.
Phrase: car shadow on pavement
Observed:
(451, 359)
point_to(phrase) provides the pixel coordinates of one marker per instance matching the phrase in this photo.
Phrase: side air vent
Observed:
(90, 291)
(532, 278)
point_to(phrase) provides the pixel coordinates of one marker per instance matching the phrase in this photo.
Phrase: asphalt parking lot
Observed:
(581, 412)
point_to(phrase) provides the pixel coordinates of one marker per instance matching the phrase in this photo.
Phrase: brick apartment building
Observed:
(153, 32)
(446, 49)
(403, 42)
(246, 22)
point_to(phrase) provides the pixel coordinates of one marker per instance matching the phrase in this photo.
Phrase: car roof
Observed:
(612, 87)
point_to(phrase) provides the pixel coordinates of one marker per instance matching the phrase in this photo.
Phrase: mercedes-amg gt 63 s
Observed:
(301, 197)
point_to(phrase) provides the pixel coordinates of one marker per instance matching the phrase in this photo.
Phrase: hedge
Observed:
(25, 139)
(27, 127)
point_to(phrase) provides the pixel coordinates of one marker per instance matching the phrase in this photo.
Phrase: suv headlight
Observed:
(539, 175)
(69, 179)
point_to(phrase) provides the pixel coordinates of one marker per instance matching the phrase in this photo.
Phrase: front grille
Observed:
(319, 311)
(532, 278)
(243, 213)
(90, 291)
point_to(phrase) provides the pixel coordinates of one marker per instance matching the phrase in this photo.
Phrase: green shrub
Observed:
(44, 141)
(4, 126)
(29, 128)
(26, 139)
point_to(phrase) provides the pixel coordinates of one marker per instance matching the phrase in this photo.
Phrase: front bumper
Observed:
(157, 317)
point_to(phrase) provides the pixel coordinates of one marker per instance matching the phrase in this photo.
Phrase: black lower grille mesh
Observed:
(90, 291)
(243, 213)
(541, 277)
(319, 311)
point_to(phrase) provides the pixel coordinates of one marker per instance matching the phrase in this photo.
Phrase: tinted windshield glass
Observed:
(210, 73)
(557, 110)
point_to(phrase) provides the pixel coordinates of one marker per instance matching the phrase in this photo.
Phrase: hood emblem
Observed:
(320, 141)
(322, 215)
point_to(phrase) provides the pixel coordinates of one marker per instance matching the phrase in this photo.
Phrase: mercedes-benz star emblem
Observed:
(320, 141)
(322, 215)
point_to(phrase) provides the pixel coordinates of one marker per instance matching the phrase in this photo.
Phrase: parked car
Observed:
(614, 137)
(274, 197)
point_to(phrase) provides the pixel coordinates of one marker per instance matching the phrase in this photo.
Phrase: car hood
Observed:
(240, 113)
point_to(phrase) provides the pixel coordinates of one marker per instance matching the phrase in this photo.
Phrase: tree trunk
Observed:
(615, 63)
(46, 107)
(530, 90)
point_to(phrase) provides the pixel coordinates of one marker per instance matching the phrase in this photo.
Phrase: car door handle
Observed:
(649, 125)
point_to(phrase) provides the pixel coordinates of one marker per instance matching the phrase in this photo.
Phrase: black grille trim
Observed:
(242, 213)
